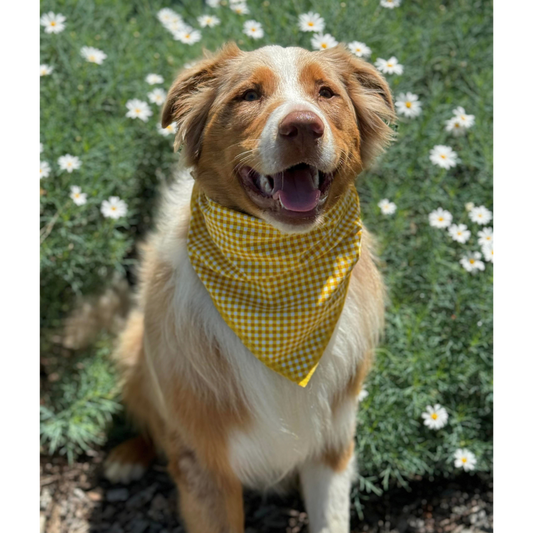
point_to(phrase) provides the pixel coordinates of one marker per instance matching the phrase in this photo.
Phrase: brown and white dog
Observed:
(223, 419)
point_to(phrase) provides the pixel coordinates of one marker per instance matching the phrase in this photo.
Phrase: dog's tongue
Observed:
(297, 189)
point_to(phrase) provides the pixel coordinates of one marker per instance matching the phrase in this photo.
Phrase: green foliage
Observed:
(76, 411)
(437, 345)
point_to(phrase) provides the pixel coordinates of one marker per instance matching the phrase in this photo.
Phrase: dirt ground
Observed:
(76, 499)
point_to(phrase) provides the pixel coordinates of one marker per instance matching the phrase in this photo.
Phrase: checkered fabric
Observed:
(282, 294)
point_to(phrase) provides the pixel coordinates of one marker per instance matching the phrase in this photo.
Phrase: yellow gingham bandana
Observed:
(282, 294)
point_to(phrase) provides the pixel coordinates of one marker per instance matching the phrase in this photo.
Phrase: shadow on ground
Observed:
(75, 499)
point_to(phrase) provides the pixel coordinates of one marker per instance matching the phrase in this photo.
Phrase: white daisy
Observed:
(408, 104)
(69, 162)
(44, 169)
(480, 215)
(311, 22)
(208, 21)
(443, 156)
(362, 395)
(464, 459)
(167, 16)
(391, 4)
(359, 49)
(93, 55)
(387, 208)
(153, 79)
(435, 417)
(253, 29)
(469, 206)
(472, 262)
(187, 36)
(46, 70)
(460, 122)
(321, 42)
(466, 120)
(157, 96)
(169, 130)
(53, 23)
(440, 218)
(389, 66)
(213, 3)
(77, 196)
(41, 148)
(485, 237)
(138, 109)
(240, 8)
(459, 233)
(455, 126)
(177, 25)
(488, 252)
(114, 207)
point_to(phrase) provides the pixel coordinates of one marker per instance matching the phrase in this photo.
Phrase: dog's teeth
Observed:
(316, 177)
(264, 184)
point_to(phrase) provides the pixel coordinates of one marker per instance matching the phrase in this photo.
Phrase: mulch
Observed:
(76, 499)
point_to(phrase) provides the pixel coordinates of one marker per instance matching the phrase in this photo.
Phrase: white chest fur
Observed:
(289, 423)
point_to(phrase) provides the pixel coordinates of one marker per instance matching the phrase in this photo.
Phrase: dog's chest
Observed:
(288, 423)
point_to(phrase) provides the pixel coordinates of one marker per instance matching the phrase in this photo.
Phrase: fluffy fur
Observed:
(222, 418)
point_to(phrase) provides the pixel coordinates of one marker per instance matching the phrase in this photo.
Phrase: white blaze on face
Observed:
(287, 63)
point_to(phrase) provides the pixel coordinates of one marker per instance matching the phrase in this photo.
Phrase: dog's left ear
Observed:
(371, 98)
(190, 98)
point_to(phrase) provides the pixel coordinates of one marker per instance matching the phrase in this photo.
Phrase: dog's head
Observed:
(279, 133)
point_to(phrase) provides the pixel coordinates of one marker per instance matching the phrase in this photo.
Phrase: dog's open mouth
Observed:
(297, 191)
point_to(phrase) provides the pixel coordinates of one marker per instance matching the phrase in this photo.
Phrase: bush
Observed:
(437, 347)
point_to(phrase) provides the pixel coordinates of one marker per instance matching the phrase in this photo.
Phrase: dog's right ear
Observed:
(190, 98)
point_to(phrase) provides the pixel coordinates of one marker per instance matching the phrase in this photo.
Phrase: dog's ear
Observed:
(190, 98)
(371, 98)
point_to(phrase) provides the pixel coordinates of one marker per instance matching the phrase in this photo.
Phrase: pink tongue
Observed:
(296, 190)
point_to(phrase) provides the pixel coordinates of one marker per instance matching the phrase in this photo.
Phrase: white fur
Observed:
(327, 497)
(286, 64)
(291, 424)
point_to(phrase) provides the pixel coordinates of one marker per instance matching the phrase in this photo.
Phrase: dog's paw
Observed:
(129, 461)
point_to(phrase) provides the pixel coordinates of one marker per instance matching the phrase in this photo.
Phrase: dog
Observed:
(223, 418)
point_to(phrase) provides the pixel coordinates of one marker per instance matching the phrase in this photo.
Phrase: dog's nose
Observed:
(301, 124)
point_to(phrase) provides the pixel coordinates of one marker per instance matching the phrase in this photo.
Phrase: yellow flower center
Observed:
(390, 65)
(472, 261)
(310, 23)
(463, 117)
(488, 238)
(464, 459)
(40, 171)
(324, 45)
(408, 104)
(443, 156)
(441, 219)
(457, 125)
(137, 111)
(434, 416)
(113, 208)
(53, 23)
(92, 57)
(459, 233)
(187, 36)
(169, 128)
(76, 195)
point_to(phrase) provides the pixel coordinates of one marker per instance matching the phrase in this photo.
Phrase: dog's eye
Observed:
(250, 96)
(326, 93)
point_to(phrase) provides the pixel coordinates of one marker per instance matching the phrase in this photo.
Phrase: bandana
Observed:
(282, 294)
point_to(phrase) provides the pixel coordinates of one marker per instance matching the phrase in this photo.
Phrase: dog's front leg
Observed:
(326, 484)
(210, 502)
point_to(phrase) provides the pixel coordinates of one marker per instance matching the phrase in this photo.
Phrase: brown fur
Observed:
(187, 416)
